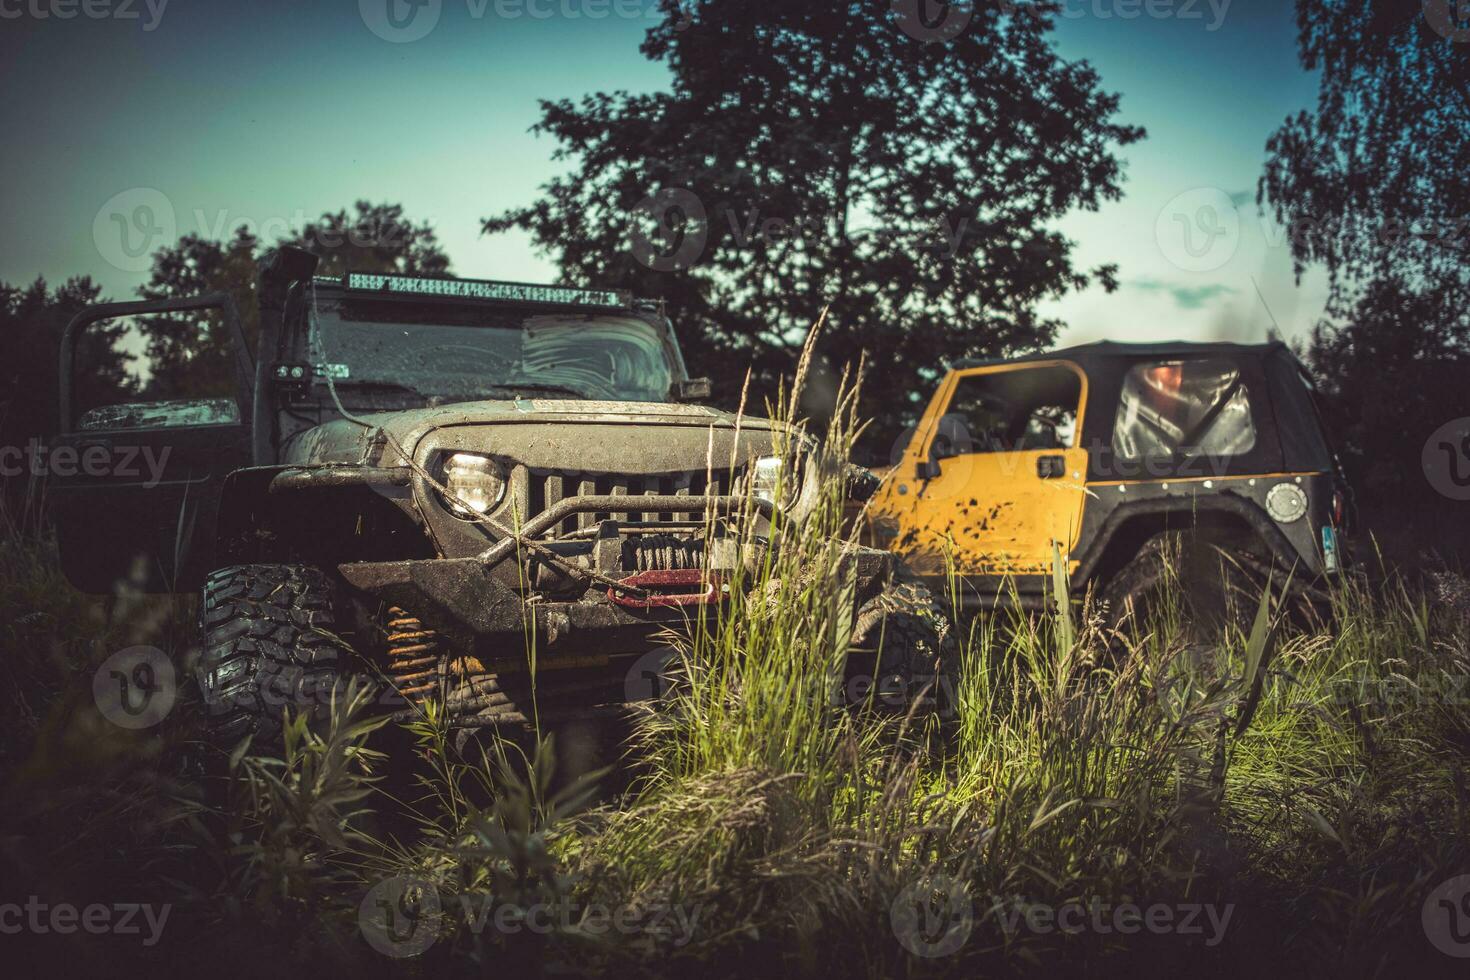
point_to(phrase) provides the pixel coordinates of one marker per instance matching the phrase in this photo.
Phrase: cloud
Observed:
(1188, 297)
(1242, 199)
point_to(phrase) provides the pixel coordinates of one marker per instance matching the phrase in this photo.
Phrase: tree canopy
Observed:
(374, 238)
(176, 355)
(1374, 187)
(32, 320)
(903, 171)
(1373, 184)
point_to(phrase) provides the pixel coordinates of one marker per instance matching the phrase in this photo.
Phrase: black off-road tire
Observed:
(1216, 594)
(269, 645)
(904, 632)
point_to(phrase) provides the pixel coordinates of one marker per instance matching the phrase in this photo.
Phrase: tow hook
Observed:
(670, 588)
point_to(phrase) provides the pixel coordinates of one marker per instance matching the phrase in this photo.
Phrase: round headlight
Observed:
(475, 484)
(1286, 503)
(771, 479)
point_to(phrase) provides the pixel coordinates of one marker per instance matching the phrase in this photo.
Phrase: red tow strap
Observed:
(668, 579)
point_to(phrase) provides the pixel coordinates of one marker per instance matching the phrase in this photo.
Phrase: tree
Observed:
(1373, 184)
(192, 354)
(1390, 383)
(1373, 187)
(377, 238)
(32, 321)
(189, 354)
(901, 171)
(181, 355)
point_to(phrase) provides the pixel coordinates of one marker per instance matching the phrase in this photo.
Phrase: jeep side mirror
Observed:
(691, 390)
(927, 469)
(862, 483)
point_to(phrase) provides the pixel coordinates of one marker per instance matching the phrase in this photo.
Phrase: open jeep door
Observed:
(155, 407)
(994, 477)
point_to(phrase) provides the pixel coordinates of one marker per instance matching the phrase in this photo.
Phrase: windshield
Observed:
(462, 353)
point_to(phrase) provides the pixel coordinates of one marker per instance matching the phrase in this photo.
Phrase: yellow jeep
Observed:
(1139, 462)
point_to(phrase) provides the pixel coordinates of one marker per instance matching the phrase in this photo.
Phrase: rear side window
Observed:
(1191, 407)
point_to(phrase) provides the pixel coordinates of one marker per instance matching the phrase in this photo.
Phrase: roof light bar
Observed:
(504, 292)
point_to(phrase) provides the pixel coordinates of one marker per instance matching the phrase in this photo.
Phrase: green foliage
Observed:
(288, 829)
(32, 320)
(1361, 189)
(820, 156)
(189, 355)
(374, 238)
(171, 356)
(1361, 182)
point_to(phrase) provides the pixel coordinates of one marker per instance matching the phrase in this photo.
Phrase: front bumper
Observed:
(492, 605)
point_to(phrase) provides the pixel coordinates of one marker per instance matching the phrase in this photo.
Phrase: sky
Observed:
(130, 122)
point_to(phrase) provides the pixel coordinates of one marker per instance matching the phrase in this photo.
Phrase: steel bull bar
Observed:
(615, 504)
(674, 583)
(462, 599)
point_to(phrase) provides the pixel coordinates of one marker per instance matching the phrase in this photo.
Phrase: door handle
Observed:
(1051, 467)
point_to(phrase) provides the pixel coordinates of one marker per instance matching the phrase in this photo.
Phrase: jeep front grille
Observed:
(662, 552)
(548, 489)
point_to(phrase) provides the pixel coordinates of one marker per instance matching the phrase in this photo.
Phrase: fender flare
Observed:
(1269, 533)
(250, 493)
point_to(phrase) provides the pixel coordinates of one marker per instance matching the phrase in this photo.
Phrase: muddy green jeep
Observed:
(411, 479)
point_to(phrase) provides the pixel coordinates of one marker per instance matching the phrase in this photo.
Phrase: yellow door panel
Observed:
(1001, 516)
(973, 484)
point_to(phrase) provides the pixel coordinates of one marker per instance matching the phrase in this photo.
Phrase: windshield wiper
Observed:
(535, 386)
(397, 388)
(392, 386)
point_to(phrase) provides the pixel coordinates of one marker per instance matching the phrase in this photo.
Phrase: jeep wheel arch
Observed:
(1129, 526)
(317, 516)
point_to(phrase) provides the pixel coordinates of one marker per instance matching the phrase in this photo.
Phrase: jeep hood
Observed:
(342, 441)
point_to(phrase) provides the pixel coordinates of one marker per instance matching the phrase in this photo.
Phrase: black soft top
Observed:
(1289, 429)
(1103, 351)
